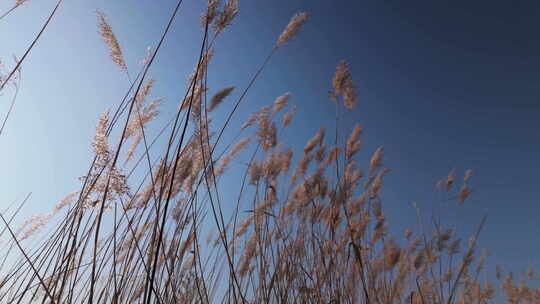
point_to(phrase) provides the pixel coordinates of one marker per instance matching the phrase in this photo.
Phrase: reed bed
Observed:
(307, 226)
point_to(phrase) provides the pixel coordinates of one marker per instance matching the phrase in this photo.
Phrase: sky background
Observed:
(441, 84)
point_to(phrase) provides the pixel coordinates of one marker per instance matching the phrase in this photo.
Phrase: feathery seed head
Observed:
(464, 193)
(239, 146)
(210, 13)
(292, 29)
(111, 41)
(353, 142)
(287, 118)
(468, 174)
(316, 140)
(100, 143)
(281, 102)
(376, 160)
(65, 201)
(218, 98)
(342, 85)
(225, 18)
(450, 180)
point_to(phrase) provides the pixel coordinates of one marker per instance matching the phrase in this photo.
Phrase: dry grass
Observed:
(315, 229)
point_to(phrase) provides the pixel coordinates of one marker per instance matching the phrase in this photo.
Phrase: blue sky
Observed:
(442, 85)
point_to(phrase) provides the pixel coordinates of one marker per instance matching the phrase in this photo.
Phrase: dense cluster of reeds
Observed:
(307, 225)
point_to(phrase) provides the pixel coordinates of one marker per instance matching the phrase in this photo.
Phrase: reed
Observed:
(308, 224)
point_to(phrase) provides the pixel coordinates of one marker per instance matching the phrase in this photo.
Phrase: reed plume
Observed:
(108, 36)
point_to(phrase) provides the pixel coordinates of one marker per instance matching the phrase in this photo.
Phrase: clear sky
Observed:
(442, 85)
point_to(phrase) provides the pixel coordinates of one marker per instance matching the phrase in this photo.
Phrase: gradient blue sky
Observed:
(442, 85)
